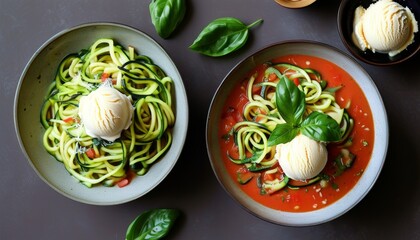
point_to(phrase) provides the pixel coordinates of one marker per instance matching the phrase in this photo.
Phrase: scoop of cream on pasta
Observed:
(105, 113)
(302, 158)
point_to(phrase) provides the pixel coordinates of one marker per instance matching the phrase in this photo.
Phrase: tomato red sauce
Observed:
(314, 196)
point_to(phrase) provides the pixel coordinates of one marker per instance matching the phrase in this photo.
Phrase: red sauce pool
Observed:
(311, 197)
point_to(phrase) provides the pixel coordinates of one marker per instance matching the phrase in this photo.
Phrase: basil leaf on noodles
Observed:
(222, 36)
(290, 101)
(321, 127)
(282, 133)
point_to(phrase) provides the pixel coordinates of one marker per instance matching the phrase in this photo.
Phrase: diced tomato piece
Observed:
(272, 77)
(90, 153)
(261, 111)
(296, 81)
(122, 183)
(242, 169)
(259, 118)
(69, 120)
(104, 76)
(277, 175)
(268, 177)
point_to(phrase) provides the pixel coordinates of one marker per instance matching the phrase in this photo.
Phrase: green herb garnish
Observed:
(290, 102)
(166, 15)
(153, 224)
(222, 36)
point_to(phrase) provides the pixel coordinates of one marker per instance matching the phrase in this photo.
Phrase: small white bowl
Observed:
(31, 91)
(371, 172)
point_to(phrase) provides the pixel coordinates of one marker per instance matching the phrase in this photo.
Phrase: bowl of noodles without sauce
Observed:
(294, 203)
(35, 87)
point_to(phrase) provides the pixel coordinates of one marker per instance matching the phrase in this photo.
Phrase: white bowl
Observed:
(369, 175)
(32, 88)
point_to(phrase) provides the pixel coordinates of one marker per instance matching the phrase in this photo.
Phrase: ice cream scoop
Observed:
(385, 27)
(105, 113)
(302, 158)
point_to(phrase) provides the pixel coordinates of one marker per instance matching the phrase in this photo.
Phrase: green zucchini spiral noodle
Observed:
(261, 115)
(92, 160)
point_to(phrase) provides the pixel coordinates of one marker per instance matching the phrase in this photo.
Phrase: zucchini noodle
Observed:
(92, 160)
(261, 115)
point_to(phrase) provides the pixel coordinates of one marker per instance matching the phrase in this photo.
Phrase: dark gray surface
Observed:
(32, 210)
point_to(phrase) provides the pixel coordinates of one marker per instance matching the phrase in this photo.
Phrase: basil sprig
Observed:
(153, 224)
(290, 102)
(222, 36)
(166, 15)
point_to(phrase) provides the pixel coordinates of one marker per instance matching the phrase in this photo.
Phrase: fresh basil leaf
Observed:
(321, 127)
(153, 224)
(290, 101)
(166, 15)
(282, 133)
(222, 36)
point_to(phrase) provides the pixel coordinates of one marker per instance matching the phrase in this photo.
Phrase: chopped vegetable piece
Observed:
(122, 183)
(90, 153)
(69, 120)
(275, 185)
(244, 176)
(296, 183)
(343, 161)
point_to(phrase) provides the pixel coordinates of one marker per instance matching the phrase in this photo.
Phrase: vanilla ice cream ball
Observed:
(105, 113)
(302, 158)
(385, 27)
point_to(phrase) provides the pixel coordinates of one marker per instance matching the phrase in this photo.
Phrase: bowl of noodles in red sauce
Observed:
(247, 123)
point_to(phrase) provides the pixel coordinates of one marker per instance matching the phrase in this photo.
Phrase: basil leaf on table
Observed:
(222, 36)
(166, 15)
(153, 224)
(321, 127)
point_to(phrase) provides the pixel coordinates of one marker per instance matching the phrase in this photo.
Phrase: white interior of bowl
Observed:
(31, 91)
(380, 137)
